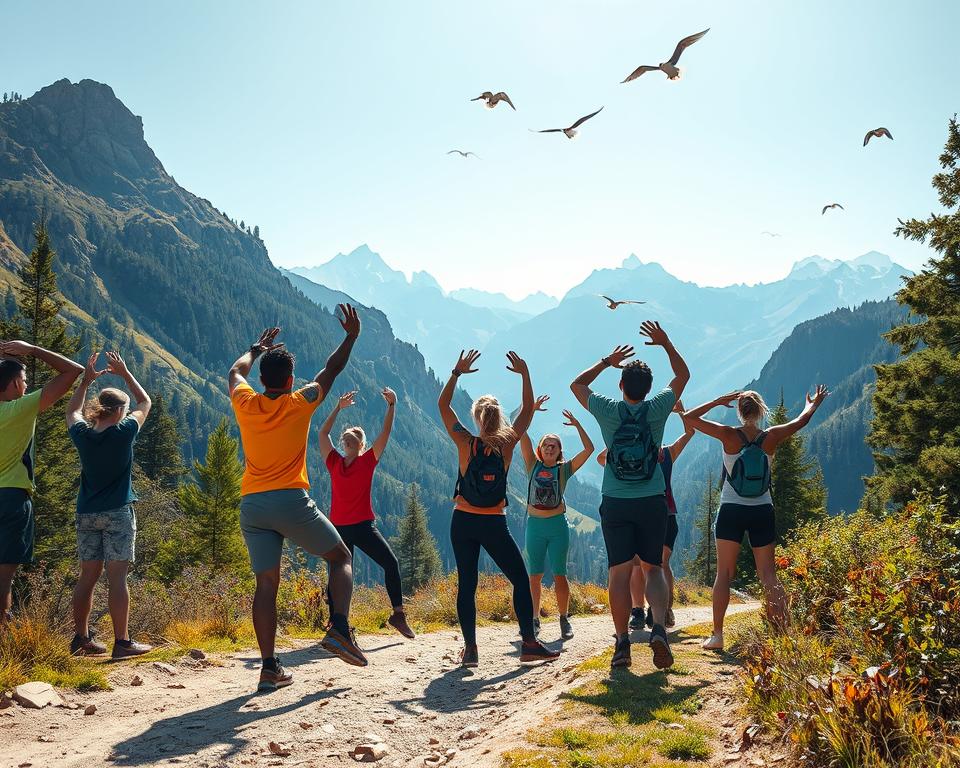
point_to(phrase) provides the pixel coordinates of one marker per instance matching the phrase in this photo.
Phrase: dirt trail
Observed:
(410, 693)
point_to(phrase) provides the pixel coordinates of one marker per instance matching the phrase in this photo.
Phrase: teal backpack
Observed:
(633, 455)
(750, 476)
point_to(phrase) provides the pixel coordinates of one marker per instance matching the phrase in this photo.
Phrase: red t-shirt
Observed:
(350, 497)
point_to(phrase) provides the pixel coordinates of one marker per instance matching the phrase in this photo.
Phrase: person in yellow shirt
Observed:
(276, 503)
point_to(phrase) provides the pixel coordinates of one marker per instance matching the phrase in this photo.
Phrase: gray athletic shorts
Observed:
(269, 517)
(108, 536)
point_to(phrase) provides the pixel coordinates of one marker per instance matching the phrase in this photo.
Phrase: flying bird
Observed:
(876, 132)
(770, 234)
(832, 205)
(462, 153)
(571, 132)
(613, 304)
(490, 100)
(669, 67)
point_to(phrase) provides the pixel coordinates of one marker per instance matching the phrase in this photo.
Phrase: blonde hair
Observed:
(750, 407)
(495, 428)
(105, 404)
(356, 433)
(546, 437)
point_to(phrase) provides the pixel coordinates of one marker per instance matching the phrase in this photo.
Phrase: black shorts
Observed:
(757, 521)
(672, 530)
(16, 526)
(634, 527)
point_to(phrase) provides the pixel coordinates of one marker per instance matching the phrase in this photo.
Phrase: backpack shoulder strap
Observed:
(758, 440)
(743, 438)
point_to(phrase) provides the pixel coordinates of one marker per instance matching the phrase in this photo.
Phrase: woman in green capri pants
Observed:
(547, 533)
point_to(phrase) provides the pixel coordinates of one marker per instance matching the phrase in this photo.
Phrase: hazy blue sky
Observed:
(326, 124)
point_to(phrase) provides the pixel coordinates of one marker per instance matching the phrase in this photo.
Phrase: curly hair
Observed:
(636, 379)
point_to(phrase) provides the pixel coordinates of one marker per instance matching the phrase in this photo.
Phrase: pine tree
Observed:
(797, 481)
(702, 567)
(416, 547)
(10, 304)
(210, 535)
(57, 471)
(159, 447)
(915, 432)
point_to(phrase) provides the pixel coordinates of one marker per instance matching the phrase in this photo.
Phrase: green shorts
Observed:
(546, 535)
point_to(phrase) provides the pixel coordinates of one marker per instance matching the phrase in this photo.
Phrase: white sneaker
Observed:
(713, 643)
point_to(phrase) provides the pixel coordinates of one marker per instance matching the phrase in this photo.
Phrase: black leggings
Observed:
(367, 538)
(468, 533)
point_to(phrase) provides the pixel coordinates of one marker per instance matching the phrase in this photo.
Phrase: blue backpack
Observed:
(750, 476)
(633, 455)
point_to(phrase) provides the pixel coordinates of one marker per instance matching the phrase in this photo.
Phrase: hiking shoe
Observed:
(671, 620)
(662, 655)
(124, 649)
(566, 629)
(649, 620)
(713, 643)
(621, 652)
(537, 651)
(399, 622)
(86, 646)
(275, 677)
(469, 657)
(344, 648)
(636, 618)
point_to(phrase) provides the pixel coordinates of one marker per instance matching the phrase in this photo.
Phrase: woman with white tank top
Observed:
(746, 505)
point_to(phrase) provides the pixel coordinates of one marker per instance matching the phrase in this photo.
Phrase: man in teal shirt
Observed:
(633, 513)
(18, 419)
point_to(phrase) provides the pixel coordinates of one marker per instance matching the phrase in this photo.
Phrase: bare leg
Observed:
(656, 592)
(668, 574)
(562, 587)
(618, 588)
(727, 552)
(118, 597)
(776, 597)
(90, 571)
(535, 592)
(638, 585)
(265, 611)
(7, 572)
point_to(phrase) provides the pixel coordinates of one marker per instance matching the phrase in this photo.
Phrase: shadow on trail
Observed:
(216, 726)
(458, 690)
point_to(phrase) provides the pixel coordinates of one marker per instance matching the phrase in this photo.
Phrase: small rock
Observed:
(176, 685)
(411, 659)
(90, 709)
(306, 726)
(327, 728)
(196, 653)
(137, 680)
(675, 726)
(44, 738)
(279, 749)
(434, 740)
(6, 699)
(36, 695)
(369, 753)
(164, 667)
(450, 754)
(470, 732)
(389, 721)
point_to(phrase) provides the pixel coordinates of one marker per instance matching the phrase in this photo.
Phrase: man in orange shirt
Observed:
(275, 502)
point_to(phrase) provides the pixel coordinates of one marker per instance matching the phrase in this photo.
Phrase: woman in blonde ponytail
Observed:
(479, 501)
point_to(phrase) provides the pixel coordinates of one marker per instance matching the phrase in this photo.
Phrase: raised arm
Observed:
(326, 444)
(658, 338)
(380, 444)
(526, 446)
(578, 461)
(338, 360)
(141, 399)
(519, 366)
(454, 428)
(67, 370)
(681, 442)
(75, 405)
(581, 385)
(241, 368)
(779, 433)
(693, 419)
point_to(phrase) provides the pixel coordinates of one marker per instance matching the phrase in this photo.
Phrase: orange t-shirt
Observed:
(274, 432)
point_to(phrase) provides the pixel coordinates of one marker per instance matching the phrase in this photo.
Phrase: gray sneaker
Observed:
(566, 629)
(124, 649)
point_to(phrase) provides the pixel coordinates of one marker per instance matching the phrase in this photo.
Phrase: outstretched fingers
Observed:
(467, 360)
(538, 403)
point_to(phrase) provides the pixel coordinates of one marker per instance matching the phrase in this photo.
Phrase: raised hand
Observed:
(619, 354)
(728, 399)
(819, 395)
(265, 342)
(346, 400)
(116, 365)
(538, 403)
(571, 420)
(389, 395)
(90, 372)
(15, 348)
(466, 361)
(517, 364)
(652, 330)
(350, 321)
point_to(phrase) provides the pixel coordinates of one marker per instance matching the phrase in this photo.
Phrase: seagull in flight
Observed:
(613, 304)
(770, 234)
(462, 153)
(490, 100)
(832, 205)
(876, 133)
(669, 67)
(572, 131)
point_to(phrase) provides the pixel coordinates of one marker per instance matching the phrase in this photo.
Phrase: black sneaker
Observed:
(621, 652)
(662, 655)
(86, 646)
(649, 621)
(469, 657)
(537, 651)
(274, 676)
(636, 618)
(566, 629)
(124, 649)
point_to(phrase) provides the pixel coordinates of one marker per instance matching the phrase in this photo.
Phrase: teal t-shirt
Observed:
(106, 465)
(607, 414)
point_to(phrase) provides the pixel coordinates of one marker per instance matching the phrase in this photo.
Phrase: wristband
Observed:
(390, 405)
(605, 361)
(455, 373)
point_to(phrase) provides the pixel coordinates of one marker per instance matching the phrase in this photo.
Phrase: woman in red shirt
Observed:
(351, 479)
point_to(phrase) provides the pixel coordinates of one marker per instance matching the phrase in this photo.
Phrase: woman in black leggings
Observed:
(479, 501)
(351, 479)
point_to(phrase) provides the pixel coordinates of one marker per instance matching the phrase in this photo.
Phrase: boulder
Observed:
(36, 695)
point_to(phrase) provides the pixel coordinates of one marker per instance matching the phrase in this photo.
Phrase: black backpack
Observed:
(633, 455)
(484, 483)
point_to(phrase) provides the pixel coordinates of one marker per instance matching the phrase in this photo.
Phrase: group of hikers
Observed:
(637, 513)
